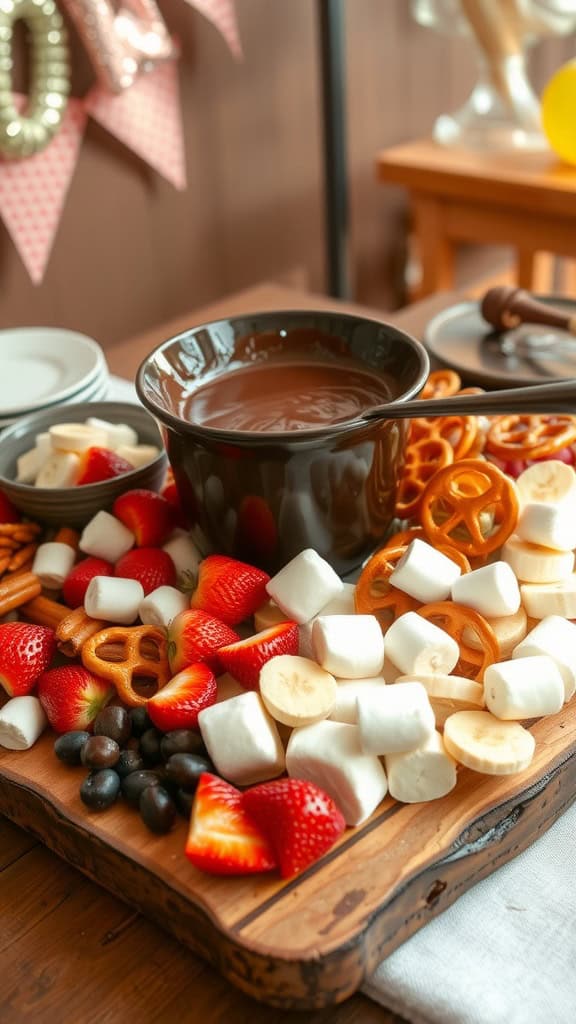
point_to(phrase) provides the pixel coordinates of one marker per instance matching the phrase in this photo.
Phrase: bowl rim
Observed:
(254, 437)
(87, 489)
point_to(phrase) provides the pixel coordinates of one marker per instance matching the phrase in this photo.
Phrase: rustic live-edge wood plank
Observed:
(311, 941)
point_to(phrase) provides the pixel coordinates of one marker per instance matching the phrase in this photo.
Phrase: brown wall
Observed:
(131, 251)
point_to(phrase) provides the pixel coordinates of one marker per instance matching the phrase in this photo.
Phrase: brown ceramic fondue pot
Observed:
(260, 415)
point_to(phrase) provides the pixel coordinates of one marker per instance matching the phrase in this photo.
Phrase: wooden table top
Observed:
(70, 951)
(534, 181)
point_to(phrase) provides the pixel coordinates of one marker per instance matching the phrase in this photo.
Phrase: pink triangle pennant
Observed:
(33, 191)
(147, 119)
(222, 14)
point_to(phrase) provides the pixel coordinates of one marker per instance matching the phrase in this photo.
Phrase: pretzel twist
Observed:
(120, 653)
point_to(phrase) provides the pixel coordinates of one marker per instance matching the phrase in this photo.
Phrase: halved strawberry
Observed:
(178, 704)
(72, 697)
(300, 820)
(196, 636)
(101, 464)
(244, 659)
(25, 652)
(222, 838)
(8, 514)
(147, 514)
(228, 589)
(76, 583)
(152, 567)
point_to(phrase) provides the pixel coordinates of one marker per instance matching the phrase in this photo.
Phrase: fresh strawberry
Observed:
(196, 636)
(72, 697)
(244, 659)
(229, 589)
(152, 567)
(8, 514)
(76, 583)
(25, 652)
(222, 838)
(177, 705)
(101, 464)
(300, 820)
(147, 514)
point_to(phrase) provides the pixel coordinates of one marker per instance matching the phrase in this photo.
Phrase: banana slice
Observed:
(509, 630)
(296, 691)
(76, 437)
(268, 615)
(61, 469)
(448, 694)
(137, 454)
(550, 481)
(532, 563)
(543, 599)
(486, 744)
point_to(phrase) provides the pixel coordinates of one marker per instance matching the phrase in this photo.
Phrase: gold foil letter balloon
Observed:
(22, 134)
(121, 43)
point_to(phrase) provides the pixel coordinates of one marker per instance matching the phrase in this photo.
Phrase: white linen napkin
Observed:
(504, 953)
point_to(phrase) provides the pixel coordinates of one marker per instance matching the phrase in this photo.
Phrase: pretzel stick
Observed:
(17, 529)
(44, 612)
(20, 557)
(17, 590)
(73, 631)
(9, 542)
(66, 535)
(4, 561)
(21, 571)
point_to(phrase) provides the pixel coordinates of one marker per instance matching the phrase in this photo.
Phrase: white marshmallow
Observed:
(555, 637)
(52, 563)
(161, 606)
(342, 604)
(22, 721)
(542, 599)
(183, 552)
(491, 590)
(351, 646)
(532, 563)
(116, 433)
(345, 708)
(114, 599)
(548, 524)
(61, 469)
(397, 718)
(416, 645)
(427, 773)
(424, 573)
(304, 586)
(106, 537)
(330, 754)
(139, 454)
(242, 739)
(524, 688)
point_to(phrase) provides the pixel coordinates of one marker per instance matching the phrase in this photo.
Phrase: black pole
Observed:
(332, 32)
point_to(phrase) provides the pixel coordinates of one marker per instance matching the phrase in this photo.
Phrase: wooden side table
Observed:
(527, 201)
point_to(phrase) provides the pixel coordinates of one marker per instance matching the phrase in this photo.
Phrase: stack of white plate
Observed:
(43, 367)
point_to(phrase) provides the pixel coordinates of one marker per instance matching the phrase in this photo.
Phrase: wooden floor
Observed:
(68, 945)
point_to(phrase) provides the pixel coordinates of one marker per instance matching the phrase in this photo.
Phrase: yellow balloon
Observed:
(559, 112)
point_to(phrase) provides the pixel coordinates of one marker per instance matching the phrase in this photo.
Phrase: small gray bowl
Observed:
(75, 506)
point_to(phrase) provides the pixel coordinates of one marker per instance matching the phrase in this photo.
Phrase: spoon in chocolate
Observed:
(505, 308)
(557, 397)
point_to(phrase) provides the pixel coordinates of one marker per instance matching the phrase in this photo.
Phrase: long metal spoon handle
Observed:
(557, 397)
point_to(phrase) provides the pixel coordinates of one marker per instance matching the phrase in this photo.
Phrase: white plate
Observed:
(41, 366)
(96, 392)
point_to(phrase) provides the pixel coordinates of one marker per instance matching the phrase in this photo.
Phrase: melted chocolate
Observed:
(286, 396)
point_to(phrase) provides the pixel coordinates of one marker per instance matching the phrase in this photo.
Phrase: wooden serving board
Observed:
(311, 941)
